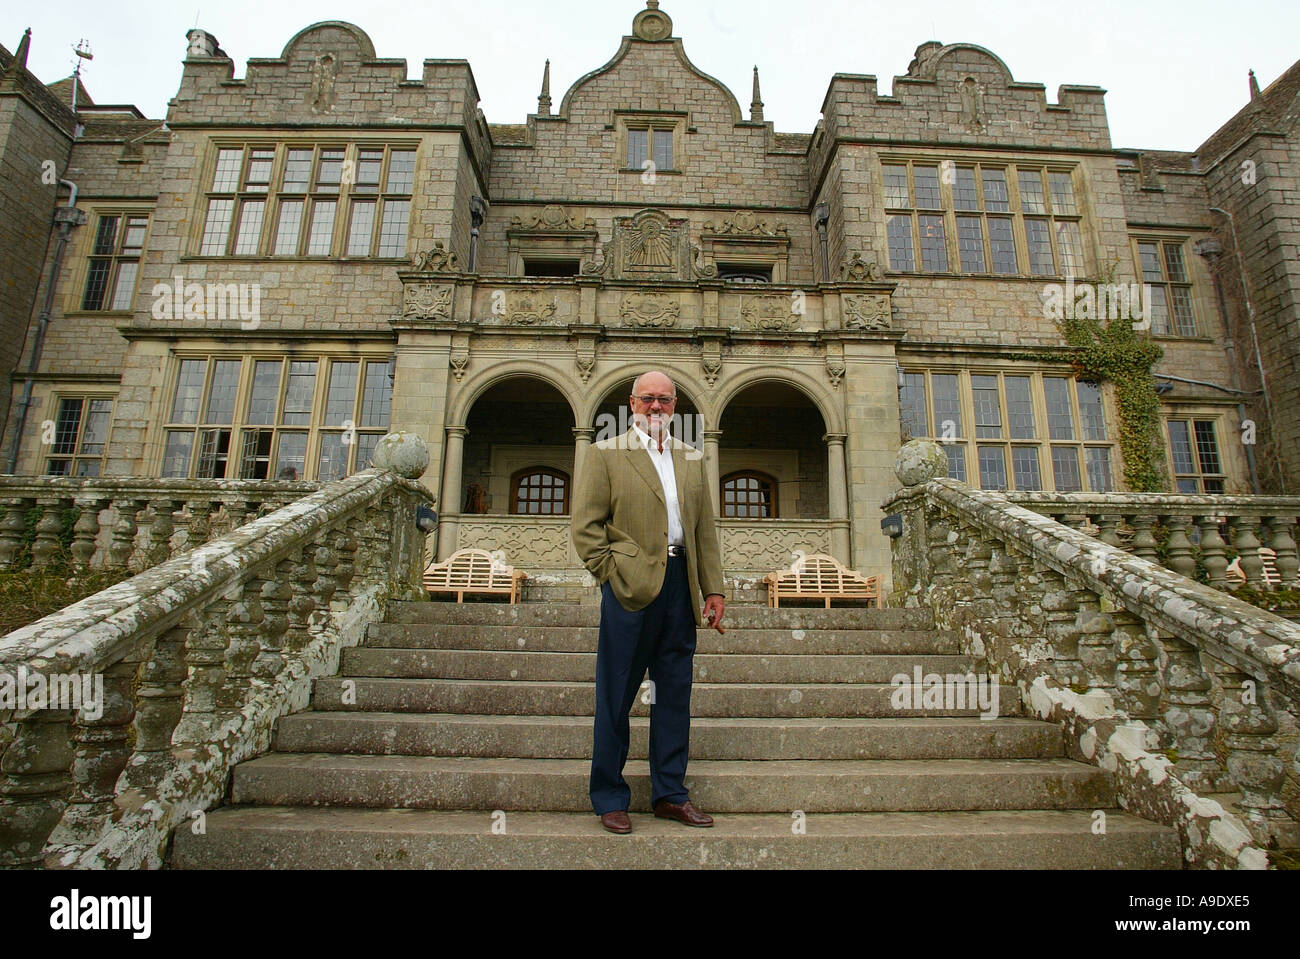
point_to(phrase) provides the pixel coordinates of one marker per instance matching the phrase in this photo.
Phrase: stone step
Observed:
(569, 737)
(740, 617)
(583, 639)
(579, 699)
(561, 785)
(530, 666)
(304, 838)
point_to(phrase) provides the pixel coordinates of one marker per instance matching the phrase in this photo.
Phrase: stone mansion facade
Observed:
(305, 257)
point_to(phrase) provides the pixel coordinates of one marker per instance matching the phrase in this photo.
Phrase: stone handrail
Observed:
(1138, 522)
(1177, 688)
(194, 660)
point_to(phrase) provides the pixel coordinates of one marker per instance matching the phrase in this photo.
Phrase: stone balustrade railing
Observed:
(125, 523)
(193, 661)
(1181, 690)
(1186, 534)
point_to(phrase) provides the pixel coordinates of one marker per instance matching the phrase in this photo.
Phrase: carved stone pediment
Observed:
(744, 223)
(553, 219)
(437, 260)
(651, 310)
(426, 301)
(868, 312)
(770, 313)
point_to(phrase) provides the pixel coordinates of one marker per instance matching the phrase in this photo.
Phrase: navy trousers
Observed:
(660, 637)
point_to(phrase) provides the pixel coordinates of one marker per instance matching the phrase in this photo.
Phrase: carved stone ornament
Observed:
(528, 309)
(586, 366)
(712, 368)
(437, 260)
(703, 268)
(651, 310)
(553, 219)
(835, 370)
(425, 301)
(459, 364)
(743, 223)
(771, 313)
(871, 312)
(323, 74)
(652, 24)
(857, 270)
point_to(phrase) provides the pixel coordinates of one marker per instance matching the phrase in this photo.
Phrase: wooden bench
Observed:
(1236, 578)
(474, 571)
(820, 577)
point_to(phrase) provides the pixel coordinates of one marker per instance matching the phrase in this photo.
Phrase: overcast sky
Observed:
(1175, 69)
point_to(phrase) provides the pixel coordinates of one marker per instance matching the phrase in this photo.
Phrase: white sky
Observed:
(1175, 69)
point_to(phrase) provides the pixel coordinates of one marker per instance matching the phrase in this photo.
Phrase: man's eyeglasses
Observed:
(663, 400)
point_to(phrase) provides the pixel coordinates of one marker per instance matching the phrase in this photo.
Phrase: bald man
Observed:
(644, 525)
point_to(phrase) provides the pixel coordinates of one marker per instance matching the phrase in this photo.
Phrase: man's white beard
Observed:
(643, 421)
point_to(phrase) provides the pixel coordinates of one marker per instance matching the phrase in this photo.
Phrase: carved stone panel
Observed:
(527, 545)
(553, 219)
(525, 308)
(867, 312)
(648, 246)
(770, 313)
(426, 301)
(651, 310)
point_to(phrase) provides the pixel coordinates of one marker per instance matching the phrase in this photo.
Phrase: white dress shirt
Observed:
(663, 463)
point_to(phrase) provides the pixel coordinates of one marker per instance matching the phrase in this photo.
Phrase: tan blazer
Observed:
(620, 522)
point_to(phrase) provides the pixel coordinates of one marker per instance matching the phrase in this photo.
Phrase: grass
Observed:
(29, 595)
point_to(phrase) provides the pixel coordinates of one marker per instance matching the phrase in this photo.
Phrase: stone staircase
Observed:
(460, 737)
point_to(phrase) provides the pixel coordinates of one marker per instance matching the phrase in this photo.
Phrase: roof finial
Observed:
(756, 108)
(544, 101)
(20, 55)
(1254, 85)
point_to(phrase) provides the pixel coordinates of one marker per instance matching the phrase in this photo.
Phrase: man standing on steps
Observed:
(644, 525)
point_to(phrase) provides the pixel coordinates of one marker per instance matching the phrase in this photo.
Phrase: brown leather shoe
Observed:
(684, 813)
(617, 822)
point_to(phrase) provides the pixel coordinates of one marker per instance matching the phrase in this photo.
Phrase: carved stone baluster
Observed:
(251, 510)
(207, 680)
(1096, 643)
(1182, 560)
(274, 595)
(199, 528)
(100, 754)
(34, 777)
(246, 624)
(345, 545)
(162, 529)
(1137, 671)
(1245, 540)
(1061, 628)
(1281, 540)
(12, 528)
(46, 550)
(1213, 551)
(1144, 542)
(160, 701)
(300, 573)
(1254, 760)
(327, 562)
(1189, 716)
(978, 555)
(1108, 529)
(122, 549)
(85, 533)
(1075, 521)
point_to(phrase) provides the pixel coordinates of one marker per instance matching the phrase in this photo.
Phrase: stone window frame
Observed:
(550, 246)
(351, 435)
(963, 449)
(1205, 481)
(74, 455)
(1015, 213)
(766, 482)
(676, 123)
(118, 256)
(349, 194)
(1174, 329)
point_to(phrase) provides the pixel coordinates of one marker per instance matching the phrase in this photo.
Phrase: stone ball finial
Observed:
(405, 454)
(919, 462)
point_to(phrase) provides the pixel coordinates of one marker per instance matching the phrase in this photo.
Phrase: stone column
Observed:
(712, 440)
(451, 491)
(837, 471)
(582, 439)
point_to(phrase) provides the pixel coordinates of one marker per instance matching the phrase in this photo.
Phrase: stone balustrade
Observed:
(1183, 691)
(126, 523)
(197, 658)
(1186, 534)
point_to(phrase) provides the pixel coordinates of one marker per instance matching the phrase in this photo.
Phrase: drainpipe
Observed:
(67, 218)
(477, 214)
(1254, 336)
(823, 215)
